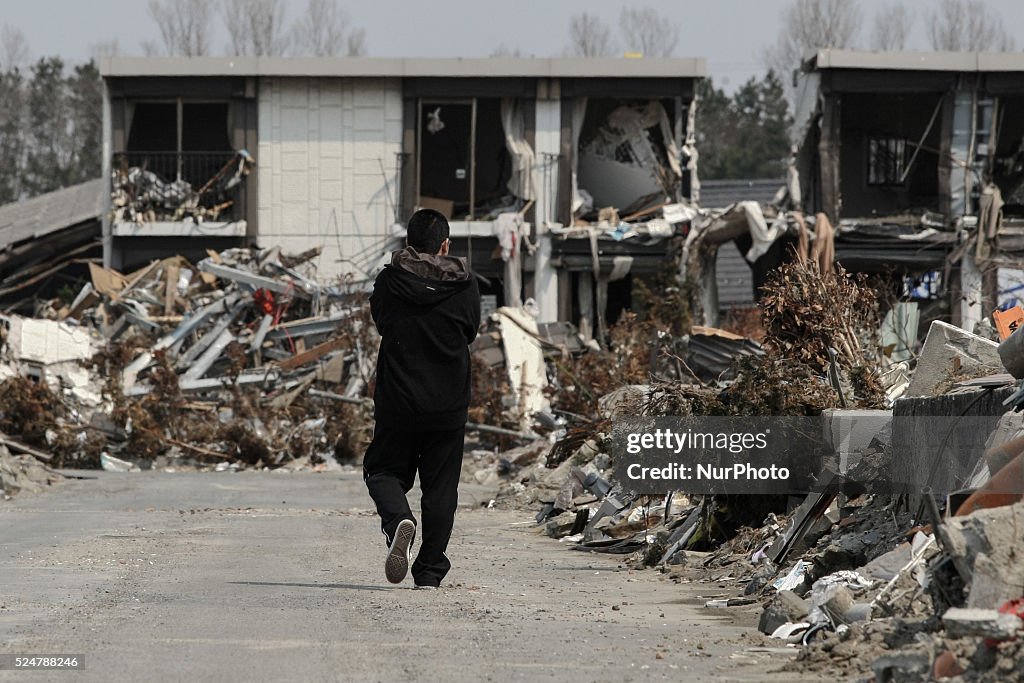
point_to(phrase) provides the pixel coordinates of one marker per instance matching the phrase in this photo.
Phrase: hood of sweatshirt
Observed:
(426, 279)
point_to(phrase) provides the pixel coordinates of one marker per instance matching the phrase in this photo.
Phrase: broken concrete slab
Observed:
(23, 473)
(991, 543)
(962, 622)
(949, 351)
(785, 607)
(849, 433)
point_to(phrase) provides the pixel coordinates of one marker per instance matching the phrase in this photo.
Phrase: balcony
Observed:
(179, 193)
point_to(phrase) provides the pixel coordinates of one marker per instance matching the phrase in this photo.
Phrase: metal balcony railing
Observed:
(195, 168)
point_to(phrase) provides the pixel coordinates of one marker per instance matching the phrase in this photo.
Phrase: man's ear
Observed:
(445, 246)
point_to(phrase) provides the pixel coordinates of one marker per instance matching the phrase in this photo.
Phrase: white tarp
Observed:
(524, 360)
(513, 120)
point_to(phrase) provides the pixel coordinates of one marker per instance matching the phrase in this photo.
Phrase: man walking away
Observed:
(426, 306)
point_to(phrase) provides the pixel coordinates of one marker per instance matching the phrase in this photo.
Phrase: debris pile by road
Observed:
(864, 575)
(242, 359)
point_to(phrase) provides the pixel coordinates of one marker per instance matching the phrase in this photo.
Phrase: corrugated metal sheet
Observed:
(51, 212)
(718, 194)
(712, 352)
(735, 281)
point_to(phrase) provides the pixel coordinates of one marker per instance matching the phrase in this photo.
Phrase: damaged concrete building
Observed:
(917, 158)
(209, 153)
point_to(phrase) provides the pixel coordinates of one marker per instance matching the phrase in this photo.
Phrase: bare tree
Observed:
(150, 48)
(14, 52)
(356, 42)
(105, 48)
(503, 50)
(589, 37)
(891, 27)
(648, 32)
(971, 25)
(324, 32)
(256, 27)
(810, 25)
(184, 26)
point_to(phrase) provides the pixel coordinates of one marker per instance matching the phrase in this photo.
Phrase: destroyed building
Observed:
(212, 153)
(46, 242)
(917, 158)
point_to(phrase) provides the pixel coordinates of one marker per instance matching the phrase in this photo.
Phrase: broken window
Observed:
(466, 168)
(886, 161)
(628, 153)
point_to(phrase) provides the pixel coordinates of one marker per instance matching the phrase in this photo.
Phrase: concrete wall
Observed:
(322, 143)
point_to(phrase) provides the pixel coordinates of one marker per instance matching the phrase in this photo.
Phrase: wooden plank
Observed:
(313, 354)
(19, 447)
(171, 276)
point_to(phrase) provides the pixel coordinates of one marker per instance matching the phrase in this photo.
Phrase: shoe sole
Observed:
(396, 566)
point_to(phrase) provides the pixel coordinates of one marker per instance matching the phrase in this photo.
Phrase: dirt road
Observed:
(277, 576)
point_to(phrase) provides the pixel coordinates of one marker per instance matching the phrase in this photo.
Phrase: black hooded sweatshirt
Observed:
(427, 311)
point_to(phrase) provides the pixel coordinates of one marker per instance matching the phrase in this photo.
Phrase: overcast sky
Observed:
(730, 34)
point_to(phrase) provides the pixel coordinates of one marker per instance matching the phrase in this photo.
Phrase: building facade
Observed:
(337, 153)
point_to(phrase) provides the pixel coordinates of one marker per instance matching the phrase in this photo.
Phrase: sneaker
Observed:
(418, 587)
(396, 566)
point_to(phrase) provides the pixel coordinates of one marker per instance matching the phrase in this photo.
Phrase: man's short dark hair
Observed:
(427, 231)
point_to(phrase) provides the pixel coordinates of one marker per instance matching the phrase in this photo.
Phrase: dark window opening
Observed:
(154, 127)
(464, 165)
(890, 150)
(886, 161)
(189, 141)
(1008, 162)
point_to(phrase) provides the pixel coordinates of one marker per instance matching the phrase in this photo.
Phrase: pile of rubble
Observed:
(240, 359)
(23, 473)
(864, 575)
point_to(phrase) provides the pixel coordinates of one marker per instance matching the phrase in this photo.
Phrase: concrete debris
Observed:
(23, 474)
(962, 622)
(847, 573)
(950, 354)
(192, 364)
(785, 607)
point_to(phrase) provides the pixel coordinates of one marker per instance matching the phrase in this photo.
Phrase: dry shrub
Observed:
(806, 312)
(774, 386)
(666, 305)
(487, 403)
(627, 360)
(28, 409)
(249, 446)
(745, 322)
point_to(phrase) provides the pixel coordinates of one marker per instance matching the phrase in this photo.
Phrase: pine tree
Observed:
(86, 120)
(745, 136)
(12, 144)
(48, 131)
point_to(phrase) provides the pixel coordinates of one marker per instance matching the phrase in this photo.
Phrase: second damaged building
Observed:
(916, 159)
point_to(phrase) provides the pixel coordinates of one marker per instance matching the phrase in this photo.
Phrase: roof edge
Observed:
(381, 67)
(833, 58)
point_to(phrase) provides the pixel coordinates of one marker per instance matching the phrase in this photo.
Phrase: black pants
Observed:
(389, 468)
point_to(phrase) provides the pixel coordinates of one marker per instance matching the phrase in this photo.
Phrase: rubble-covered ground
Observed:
(245, 361)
